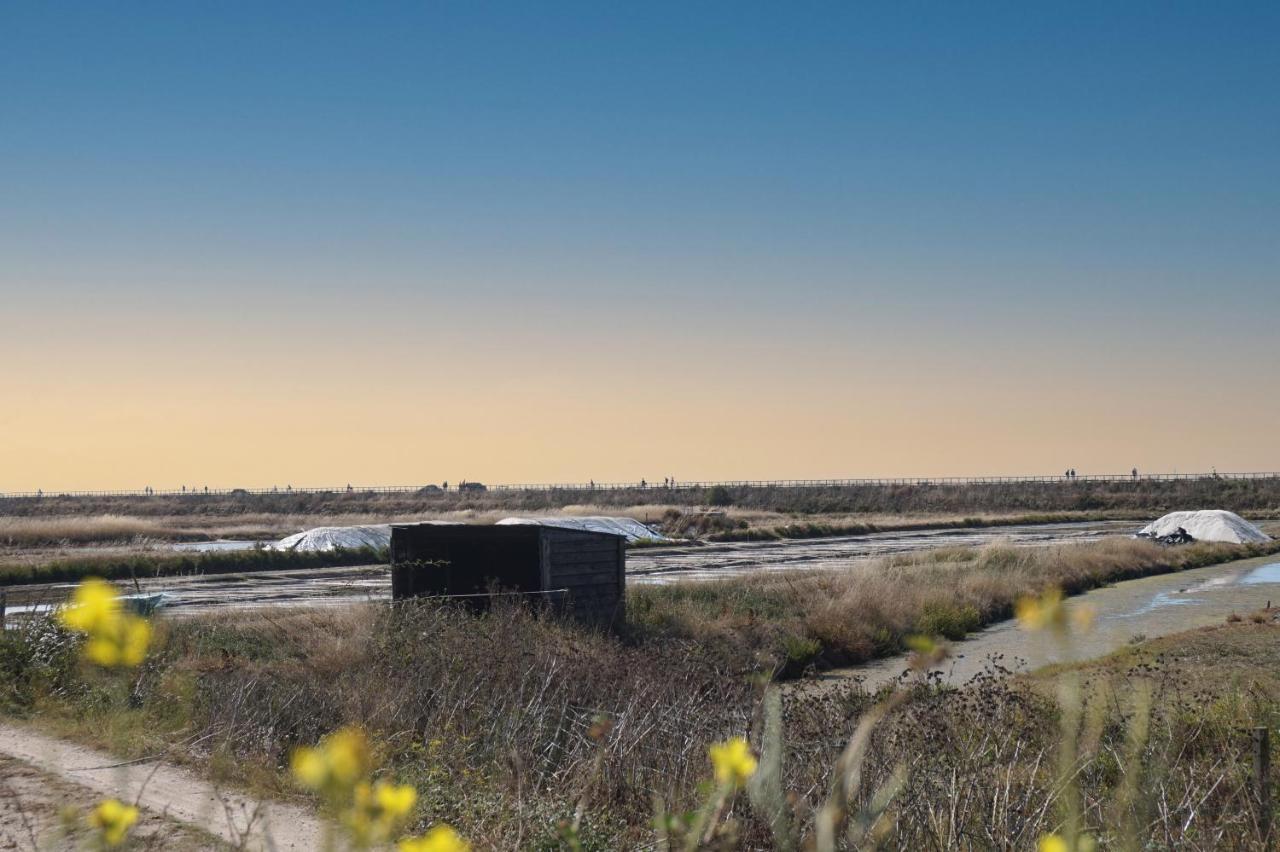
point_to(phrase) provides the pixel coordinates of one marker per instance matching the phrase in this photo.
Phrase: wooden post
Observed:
(4, 599)
(1262, 780)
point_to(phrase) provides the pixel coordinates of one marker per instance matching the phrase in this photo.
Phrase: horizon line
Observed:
(465, 486)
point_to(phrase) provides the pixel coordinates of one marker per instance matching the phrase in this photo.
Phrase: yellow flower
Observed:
(123, 642)
(310, 769)
(442, 838)
(1045, 611)
(113, 820)
(335, 765)
(733, 761)
(1056, 843)
(395, 800)
(95, 604)
(114, 637)
(377, 811)
(1082, 617)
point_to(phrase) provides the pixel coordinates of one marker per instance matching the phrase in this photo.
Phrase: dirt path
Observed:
(159, 789)
(39, 811)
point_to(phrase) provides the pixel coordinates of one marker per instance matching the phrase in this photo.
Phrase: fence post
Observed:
(1262, 780)
(4, 599)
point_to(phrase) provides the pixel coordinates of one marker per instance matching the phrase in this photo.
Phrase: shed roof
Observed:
(511, 530)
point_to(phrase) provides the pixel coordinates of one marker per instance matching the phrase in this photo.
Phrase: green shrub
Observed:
(948, 620)
(718, 495)
(799, 653)
(34, 657)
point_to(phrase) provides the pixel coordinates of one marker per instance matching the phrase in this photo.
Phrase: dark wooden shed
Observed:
(580, 572)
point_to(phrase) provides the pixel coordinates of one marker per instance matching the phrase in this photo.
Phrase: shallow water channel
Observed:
(1146, 608)
(320, 586)
(728, 559)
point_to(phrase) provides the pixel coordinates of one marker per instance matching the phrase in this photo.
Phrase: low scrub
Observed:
(868, 611)
(142, 565)
(78, 529)
(513, 727)
(1146, 497)
(800, 528)
(489, 716)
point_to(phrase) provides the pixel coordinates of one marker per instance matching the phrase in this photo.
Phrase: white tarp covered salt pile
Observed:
(1205, 525)
(629, 527)
(376, 536)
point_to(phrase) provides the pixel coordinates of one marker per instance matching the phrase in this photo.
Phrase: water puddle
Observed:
(221, 545)
(1264, 574)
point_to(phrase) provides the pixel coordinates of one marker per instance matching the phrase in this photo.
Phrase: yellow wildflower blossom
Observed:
(113, 819)
(1057, 843)
(1082, 617)
(377, 811)
(335, 765)
(395, 800)
(733, 761)
(121, 643)
(1045, 611)
(1048, 610)
(94, 605)
(114, 637)
(442, 838)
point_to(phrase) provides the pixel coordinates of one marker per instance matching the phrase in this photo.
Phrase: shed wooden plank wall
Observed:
(589, 567)
(593, 571)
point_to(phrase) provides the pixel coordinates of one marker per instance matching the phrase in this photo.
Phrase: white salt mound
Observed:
(1207, 525)
(332, 538)
(629, 527)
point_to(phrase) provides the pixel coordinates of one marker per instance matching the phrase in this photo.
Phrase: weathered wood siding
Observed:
(591, 568)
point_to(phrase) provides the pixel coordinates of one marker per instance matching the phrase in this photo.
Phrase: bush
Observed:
(35, 657)
(948, 620)
(718, 495)
(143, 565)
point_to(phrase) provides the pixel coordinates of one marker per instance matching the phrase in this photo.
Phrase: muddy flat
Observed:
(727, 559)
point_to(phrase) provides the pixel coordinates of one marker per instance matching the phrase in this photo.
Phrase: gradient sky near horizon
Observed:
(390, 243)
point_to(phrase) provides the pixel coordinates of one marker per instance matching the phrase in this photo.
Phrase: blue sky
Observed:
(1069, 178)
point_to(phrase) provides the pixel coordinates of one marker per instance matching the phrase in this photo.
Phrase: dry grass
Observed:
(23, 537)
(789, 620)
(70, 529)
(1141, 498)
(489, 717)
(979, 760)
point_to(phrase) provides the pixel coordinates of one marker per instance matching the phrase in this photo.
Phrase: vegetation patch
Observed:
(523, 732)
(870, 610)
(151, 564)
